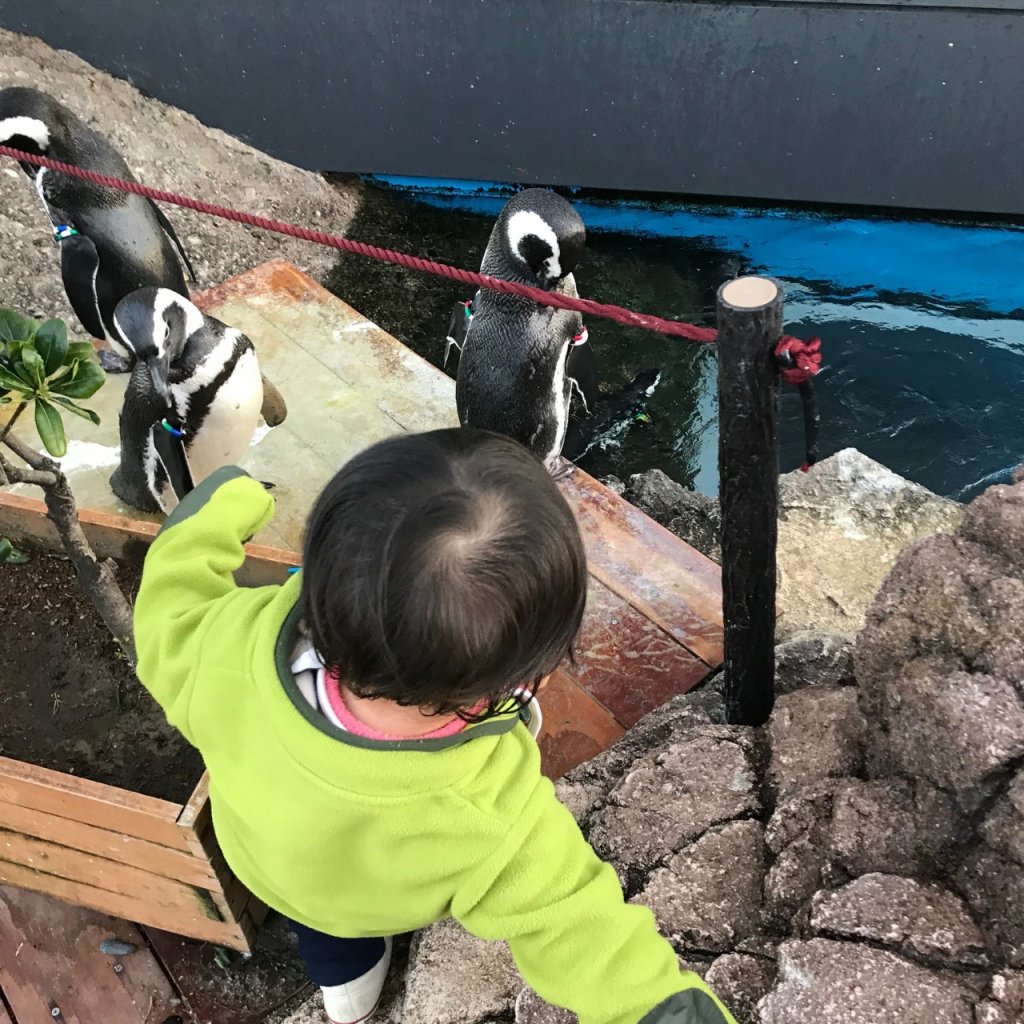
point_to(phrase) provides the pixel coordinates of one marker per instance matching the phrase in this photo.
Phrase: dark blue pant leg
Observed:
(333, 961)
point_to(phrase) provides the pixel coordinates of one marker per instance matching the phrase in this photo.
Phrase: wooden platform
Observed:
(652, 629)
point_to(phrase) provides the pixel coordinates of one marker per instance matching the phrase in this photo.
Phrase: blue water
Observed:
(922, 324)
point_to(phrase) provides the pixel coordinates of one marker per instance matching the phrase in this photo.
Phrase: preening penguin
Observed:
(521, 364)
(192, 403)
(513, 368)
(111, 242)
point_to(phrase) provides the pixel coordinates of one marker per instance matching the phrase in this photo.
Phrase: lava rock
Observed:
(1005, 1004)
(812, 657)
(1003, 828)
(924, 922)
(828, 982)
(708, 897)
(993, 885)
(740, 982)
(815, 734)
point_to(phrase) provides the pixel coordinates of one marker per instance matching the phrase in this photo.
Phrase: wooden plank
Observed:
(667, 581)
(576, 727)
(191, 921)
(626, 662)
(107, 843)
(67, 796)
(50, 959)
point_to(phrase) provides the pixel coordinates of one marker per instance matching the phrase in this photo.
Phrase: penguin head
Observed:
(542, 235)
(33, 122)
(154, 325)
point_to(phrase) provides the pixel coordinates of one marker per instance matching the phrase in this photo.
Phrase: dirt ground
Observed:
(68, 698)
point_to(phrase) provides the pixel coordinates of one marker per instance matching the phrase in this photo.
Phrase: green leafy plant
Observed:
(10, 555)
(40, 368)
(38, 365)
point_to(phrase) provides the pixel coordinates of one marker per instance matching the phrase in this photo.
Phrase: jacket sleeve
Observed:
(189, 569)
(576, 941)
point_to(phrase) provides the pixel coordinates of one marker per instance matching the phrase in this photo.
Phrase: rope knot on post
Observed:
(798, 360)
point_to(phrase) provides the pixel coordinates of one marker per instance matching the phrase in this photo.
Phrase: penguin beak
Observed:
(158, 375)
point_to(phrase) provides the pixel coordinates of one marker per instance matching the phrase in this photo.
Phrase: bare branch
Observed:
(28, 454)
(14, 419)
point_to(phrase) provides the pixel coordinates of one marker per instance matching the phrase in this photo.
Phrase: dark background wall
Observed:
(906, 104)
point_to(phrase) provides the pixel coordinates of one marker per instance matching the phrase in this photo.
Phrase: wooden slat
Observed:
(112, 845)
(669, 582)
(99, 872)
(187, 920)
(50, 958)
(24, 521)
(67, 796)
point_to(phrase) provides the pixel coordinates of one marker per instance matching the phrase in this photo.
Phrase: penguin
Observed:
(111, 242)
(521, 365)
(192, 403)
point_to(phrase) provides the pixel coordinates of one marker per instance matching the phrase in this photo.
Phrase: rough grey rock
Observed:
(890, 826)
(813, 657)
(1005, 1004)
(994, 888)
(842, 525)
(804, 812)
(923, 922)
(845, 983)
(672, 797)
(455, 978)
(168, 149)
(794, 877)
(954, 728)
(531, 1009)
(741, 982)
(1003, 828)
(816, 733)
(996, 519)
(694, 517)
(709, 895)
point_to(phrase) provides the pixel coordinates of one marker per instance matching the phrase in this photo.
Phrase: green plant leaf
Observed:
(86, 414)
(10, 555)
(32, 361)
(86, 379)
(12, 382)
(80, 350)
(51, 428)
(52, 345)
(14, 327)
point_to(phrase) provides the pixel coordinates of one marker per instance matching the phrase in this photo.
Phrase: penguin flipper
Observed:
(458, 329)
(170, 451)
(581, 369)
(79, 266)
(173, 236)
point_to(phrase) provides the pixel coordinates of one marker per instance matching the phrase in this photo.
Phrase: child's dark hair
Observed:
(443, 570)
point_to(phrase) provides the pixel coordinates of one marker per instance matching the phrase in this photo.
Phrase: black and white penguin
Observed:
(513, 375)
(192, 403)
(521, 364)
(111, 243)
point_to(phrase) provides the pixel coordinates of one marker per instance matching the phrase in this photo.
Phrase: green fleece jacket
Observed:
(355, 837)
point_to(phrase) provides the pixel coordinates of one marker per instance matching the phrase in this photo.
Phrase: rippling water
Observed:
(922, 325)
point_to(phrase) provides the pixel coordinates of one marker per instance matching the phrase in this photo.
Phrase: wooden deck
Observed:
(653, 625)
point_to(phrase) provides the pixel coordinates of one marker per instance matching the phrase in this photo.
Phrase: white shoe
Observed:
(356, 1000)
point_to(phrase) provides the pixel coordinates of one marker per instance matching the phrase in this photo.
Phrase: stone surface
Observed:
(842, 525)
(955, 728)
(694, 517)
(168, 149)
(1005, 1002)
(709, 895)
(813, 657)
(531, 1009)
(890, 825)
(455, 978)
(815, 733)
(925, 922)
(994, 888)
(805, 812)
(672, 797)
(740, 982)
(828, 982)
(1003, 828)
(794, 877)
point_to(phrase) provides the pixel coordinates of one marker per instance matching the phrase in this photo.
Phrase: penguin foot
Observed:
(111, 362)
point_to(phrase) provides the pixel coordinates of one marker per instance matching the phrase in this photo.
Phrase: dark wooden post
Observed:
(749, 327)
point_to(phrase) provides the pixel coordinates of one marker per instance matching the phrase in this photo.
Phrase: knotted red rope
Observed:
(798, 360)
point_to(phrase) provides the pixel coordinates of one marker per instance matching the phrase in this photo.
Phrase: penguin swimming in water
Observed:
(520, 363)
(111, 242)
(193, 399)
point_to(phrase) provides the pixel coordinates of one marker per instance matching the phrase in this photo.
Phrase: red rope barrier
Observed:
(607, 311)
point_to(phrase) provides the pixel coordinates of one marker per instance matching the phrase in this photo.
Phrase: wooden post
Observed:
(749, 327)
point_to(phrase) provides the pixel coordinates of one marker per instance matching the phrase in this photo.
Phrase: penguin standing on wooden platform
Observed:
(521, 363)
(111, 242)
(192, 403)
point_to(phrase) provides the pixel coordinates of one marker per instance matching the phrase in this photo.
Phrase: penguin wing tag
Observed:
(170, 451)
(79, 262)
